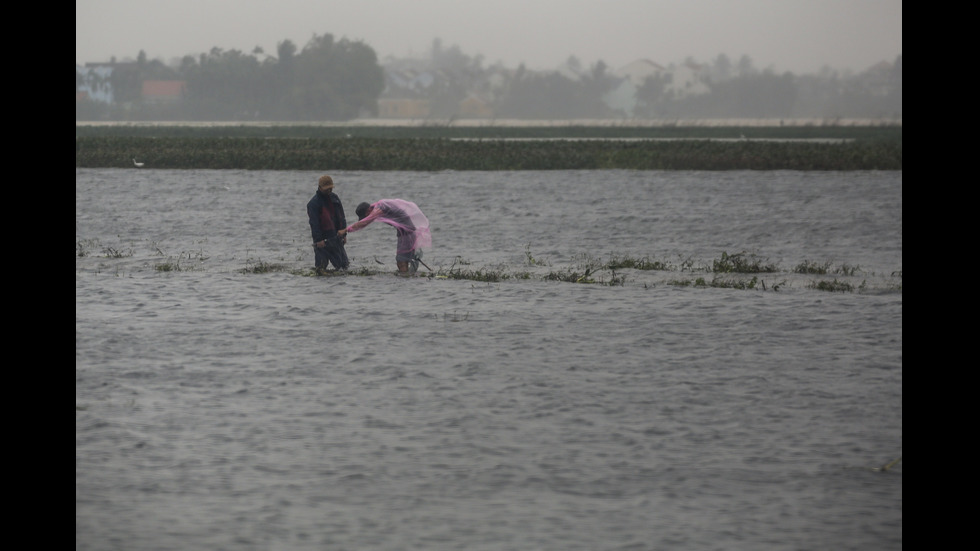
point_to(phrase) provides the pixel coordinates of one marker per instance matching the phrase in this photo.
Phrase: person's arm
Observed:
(375, 213)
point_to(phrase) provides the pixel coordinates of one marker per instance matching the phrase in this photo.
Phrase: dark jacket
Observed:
(326, 216)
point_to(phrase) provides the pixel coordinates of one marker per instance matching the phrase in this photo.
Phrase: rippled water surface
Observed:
(223, 407)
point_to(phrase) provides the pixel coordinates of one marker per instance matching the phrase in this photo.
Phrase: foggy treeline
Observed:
(339, 80)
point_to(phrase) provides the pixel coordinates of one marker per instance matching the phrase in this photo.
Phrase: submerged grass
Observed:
(571, 276)
(177, 263)
(489, 275)
(261, 267)
(85, 247)
(618, 263)
(171, 265)
(742, 263)
(741, 270)
(730, 271)
(810, 267)
(725, 283)
(455, 272)
(834, 286)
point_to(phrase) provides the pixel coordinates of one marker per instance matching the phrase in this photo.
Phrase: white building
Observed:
(95, 84)
(688, 79)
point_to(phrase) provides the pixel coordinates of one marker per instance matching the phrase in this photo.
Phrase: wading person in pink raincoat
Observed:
(411, 227)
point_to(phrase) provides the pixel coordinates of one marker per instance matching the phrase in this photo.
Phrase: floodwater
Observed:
(222, 407)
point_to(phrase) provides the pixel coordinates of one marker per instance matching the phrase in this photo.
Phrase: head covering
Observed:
(362, 210)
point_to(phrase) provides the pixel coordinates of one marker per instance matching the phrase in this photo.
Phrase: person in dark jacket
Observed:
(326, 214)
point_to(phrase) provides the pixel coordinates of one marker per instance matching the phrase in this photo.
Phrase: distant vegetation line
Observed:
(413, 150)
(828, 131)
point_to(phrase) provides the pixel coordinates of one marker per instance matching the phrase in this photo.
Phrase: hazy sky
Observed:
(801, 36)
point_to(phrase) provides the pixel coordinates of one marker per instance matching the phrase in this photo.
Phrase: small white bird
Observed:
(137, 164)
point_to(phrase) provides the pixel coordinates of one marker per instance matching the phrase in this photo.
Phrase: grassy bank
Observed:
(492, 131)
(490, 148)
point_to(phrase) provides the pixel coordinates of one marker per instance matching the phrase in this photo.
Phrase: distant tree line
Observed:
(338, 80)
(327, 80)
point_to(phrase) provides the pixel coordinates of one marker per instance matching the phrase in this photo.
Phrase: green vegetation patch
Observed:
(107, 150)
(743, 263)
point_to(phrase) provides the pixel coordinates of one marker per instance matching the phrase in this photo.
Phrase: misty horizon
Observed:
(779, 35)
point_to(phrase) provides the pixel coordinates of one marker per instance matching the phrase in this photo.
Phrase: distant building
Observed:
(93, 83)
(403, 108)
(688, 79)
(632, 76)
(163, 91)
(622, 98)
(880, 79)
(638, 71)
(474, 107)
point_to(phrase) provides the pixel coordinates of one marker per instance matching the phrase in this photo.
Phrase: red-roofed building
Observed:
(163, 91)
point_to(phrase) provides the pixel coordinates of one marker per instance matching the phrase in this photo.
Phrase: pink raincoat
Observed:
(405, 216)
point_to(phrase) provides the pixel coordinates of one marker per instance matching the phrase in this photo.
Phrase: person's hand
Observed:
(321, 244)
(342, 232)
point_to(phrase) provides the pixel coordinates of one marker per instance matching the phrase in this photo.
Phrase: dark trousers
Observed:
(333, 253)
